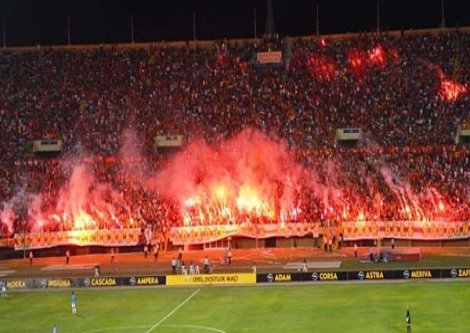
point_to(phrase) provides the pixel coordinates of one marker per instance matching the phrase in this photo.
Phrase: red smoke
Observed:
(377, 56)
(7, 216)
(250, 176)
(357, 60)
(321, 67)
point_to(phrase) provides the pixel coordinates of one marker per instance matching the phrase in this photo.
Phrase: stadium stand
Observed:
(394, 88)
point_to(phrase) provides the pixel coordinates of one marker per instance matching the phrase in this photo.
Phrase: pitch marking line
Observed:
(126, 328)
(197, 327)
(119, 328)
(173, 311)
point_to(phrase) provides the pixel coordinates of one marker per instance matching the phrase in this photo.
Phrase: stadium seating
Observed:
(390, 87)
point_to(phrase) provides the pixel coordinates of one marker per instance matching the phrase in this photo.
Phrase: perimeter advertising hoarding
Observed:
(133, 281)
(144, 281)
(302, 277)
(371, 275)
(418, 274)
(53, 283)
(237, 279)
(211, 279)
(455, 273)
(19, 283)
(364, 275)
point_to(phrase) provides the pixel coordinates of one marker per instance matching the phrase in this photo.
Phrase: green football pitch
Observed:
(358, 307)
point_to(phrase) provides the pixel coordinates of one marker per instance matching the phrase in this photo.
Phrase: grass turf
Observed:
(373, 307)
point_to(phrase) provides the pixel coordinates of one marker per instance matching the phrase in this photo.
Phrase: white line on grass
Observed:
(127, 328)
(203, 328)
(119, 328)
(173, 311)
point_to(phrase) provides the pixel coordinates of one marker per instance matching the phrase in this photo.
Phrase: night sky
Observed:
(31, 22)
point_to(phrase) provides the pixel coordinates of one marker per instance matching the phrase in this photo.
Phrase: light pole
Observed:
(378, 17)
(132, 28)
(317, 22)
(4, 29)
(254, 22)
(443, 19)
(68, 30)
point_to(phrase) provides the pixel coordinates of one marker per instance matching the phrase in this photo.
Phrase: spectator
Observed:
(173, 266)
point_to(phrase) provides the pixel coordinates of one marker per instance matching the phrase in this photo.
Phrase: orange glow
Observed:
(224, 204)
(441, 206)
(451, 90)
(357, 60)
(83, 220)
(376, 55)
(220, 192)
(320, 67)
(249, 200)
(190, 202)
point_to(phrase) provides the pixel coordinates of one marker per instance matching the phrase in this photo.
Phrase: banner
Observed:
(7, 242)
(354, 230)
(205, 234)
(169, 141)
(211, 279)
(274, 57)
(419, 230)
(47, 146)
(463, 134)
(115, 237)
(348, 134)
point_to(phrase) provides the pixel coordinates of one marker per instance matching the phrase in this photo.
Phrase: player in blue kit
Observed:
(3, 286)
(74, 302)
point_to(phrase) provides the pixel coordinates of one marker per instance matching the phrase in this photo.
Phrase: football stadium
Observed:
(234, 167)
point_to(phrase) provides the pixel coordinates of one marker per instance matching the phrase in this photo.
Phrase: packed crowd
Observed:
(390, 87)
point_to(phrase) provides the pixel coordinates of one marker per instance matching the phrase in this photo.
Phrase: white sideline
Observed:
(173, 311)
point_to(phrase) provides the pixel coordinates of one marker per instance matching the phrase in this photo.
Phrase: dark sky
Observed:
(31, 22)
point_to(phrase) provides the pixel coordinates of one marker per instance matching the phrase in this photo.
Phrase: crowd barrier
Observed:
(236, 278)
